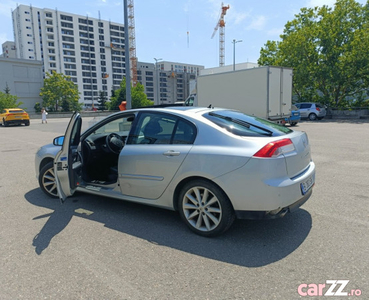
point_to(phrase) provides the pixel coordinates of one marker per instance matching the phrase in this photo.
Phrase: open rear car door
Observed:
(68, 162)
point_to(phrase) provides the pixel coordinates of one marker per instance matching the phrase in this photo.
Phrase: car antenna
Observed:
(210, 106)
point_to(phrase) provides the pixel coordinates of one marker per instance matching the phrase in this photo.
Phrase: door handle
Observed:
(171, 153)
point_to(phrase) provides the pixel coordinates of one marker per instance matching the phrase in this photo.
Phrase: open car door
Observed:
(68, 162)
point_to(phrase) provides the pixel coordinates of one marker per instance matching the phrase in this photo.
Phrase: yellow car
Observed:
(14, 116)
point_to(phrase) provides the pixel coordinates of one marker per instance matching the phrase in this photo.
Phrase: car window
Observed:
(241, 124)
(159, 128)
(318, 105)
(305, 105)
(16, 111)
(120, 125)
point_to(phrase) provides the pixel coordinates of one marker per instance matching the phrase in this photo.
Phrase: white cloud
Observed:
(275, 32)
(313, 3)
(6, 7)
(239, 17)
(257, 23)
(3, 39)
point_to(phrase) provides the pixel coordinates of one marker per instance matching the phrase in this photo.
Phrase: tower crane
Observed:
(220, 25)
(132, 41)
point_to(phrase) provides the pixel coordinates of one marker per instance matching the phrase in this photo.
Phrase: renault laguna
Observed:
(212, 165)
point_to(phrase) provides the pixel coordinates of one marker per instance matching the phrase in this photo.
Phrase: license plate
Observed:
(307, 185)
(18, 117)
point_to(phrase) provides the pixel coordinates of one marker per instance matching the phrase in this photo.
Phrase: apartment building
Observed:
(90, 51)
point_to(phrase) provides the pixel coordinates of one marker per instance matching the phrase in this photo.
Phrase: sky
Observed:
(181, 30)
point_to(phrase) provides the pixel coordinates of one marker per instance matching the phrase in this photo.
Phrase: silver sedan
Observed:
(210, 165)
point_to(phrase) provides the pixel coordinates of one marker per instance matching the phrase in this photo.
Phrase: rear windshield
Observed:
(16, 111)
(241, 124)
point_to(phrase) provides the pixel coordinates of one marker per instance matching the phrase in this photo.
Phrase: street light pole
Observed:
(157, 80)
(234, 53)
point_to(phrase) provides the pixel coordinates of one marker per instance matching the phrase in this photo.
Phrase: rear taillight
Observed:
(318, 109)
(276, 148)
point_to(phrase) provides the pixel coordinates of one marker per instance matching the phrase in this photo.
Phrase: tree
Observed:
(138, 96)
(102, 100)
(328, 48)
(60, 91)
(7, 100)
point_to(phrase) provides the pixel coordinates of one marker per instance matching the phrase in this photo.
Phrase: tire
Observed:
(5, 123)
(205, 208)
(312, 117)
(26, 123)
(47, 181)
(293, 123)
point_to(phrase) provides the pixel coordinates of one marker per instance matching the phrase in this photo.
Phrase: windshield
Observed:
(241, 124)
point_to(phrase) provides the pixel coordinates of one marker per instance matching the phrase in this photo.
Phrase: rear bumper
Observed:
(17, 121)
(258, 215)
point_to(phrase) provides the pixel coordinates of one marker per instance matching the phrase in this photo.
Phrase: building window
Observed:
(67, 52)
(49, 22)
(51, 50)
(51, 57)
(70, 66)
(28, 27)
(69, 59)
(71, 73)
(30, 35)
(27, 12)
(28, 20)
(52, 65)
(66, 31)
(30, 50)
(68, 46)
(66, 18)
(50, 29)
(51, 44)
(49, 15)
(30, 43)
(68, 39)
(68, 25)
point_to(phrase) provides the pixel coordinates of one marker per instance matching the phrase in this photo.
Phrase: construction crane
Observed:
(132, 42)
(220, 25)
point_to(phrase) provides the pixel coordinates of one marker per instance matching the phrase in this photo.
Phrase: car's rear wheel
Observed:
(47, 181)
(312, 117)
(5, 123)
(293, 123)
(26, 123)
(205, 208)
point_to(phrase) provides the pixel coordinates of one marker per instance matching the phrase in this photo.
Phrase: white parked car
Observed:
(210, 165)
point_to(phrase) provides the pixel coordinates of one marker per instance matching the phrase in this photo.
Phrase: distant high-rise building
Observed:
(90, 51)
(167, 82)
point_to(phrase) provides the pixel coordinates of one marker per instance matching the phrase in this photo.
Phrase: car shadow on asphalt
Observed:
(248, 243)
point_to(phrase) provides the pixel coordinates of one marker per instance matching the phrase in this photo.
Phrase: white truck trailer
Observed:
(265, 92)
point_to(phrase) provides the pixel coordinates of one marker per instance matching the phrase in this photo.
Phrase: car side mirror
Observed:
(58, 141)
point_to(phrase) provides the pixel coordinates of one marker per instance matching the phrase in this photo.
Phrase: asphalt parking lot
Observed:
(98, 248)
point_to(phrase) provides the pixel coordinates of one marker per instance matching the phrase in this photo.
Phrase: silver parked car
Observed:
(210, 165)
(311, 110)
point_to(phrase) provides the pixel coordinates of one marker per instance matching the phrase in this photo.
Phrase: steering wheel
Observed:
(114, 142)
